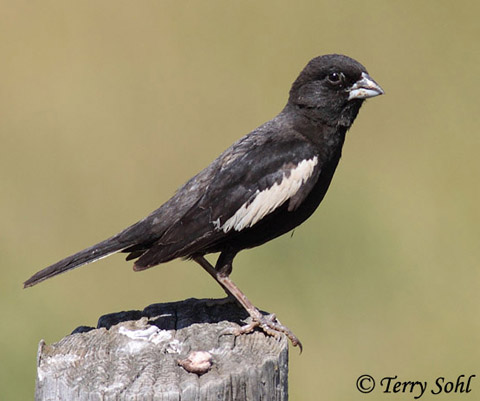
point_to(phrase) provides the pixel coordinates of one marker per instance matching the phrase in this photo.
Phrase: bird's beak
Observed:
(364, 88)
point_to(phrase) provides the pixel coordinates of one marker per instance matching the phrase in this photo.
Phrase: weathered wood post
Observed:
(174, 351)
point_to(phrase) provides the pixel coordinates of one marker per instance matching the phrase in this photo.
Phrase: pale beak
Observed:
(364, 88)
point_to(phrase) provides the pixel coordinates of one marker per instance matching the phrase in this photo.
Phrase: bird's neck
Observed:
(327, 138)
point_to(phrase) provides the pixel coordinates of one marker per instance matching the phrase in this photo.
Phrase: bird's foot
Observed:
(268, 323)
(271, 326)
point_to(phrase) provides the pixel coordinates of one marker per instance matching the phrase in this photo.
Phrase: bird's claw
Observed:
(271, 326)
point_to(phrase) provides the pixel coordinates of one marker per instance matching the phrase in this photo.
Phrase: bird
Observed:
(263, 186)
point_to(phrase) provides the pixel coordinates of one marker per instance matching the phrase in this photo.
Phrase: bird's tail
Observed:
(101, 250)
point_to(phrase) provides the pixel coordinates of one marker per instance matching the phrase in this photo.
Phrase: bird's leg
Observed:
(268, 323)
(211, 270)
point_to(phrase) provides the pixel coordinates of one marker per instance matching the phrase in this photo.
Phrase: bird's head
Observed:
(331, 89)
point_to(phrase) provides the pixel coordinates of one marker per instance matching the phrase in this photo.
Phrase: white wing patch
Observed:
(269, 199)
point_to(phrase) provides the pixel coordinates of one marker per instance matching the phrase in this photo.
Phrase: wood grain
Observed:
(135, 355)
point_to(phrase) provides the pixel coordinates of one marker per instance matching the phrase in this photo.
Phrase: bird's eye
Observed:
(336, 78)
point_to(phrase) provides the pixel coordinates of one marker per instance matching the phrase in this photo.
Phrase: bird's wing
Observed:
(253, 178)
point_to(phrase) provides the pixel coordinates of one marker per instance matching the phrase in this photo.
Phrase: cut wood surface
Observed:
(182, 351)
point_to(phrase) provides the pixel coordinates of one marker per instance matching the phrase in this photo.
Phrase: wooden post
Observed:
(174, 351)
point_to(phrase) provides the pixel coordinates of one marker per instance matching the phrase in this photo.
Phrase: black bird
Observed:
(263, 186)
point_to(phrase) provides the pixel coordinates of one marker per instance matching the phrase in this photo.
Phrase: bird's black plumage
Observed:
(261, 187)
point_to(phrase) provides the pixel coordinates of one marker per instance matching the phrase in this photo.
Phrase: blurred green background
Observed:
(106, 107)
